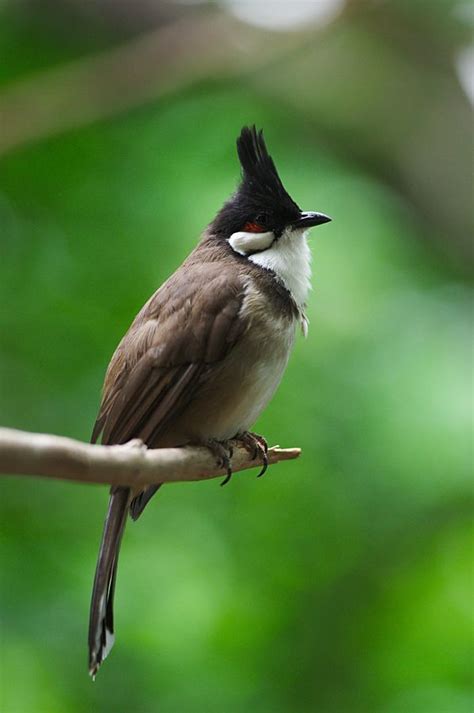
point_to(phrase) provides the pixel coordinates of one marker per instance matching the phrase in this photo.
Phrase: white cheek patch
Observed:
(245, 243)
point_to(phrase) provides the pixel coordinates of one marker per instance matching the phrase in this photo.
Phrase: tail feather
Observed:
(101, 622)
(140, 502)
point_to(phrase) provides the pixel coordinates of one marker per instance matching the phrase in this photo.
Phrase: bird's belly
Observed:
(250, 396)
(240, 388)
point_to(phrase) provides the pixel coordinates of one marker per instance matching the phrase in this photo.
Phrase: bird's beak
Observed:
(309, 219)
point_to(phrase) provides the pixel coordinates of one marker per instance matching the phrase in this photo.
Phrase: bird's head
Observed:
(261, 211)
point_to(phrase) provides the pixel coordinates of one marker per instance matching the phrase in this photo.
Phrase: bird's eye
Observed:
(252, 227)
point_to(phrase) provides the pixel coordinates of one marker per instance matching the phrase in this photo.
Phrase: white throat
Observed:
(289, 258)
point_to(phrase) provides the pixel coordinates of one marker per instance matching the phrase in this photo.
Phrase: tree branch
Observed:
(164, 60)
(49, 456)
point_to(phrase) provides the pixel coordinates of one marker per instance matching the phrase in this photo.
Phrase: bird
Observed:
(207, 351)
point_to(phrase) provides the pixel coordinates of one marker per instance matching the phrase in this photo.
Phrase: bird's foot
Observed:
(222, 452)
(257, 446)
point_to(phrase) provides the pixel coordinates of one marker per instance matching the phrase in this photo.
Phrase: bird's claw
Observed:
(222, 452)
(256, 446)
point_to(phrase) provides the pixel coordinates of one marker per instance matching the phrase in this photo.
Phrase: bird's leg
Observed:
(256, 446)
(222, 452)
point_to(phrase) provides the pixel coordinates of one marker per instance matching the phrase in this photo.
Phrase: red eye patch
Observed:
(254, 228)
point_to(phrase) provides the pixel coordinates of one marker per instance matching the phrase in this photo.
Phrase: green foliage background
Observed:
(340, 582)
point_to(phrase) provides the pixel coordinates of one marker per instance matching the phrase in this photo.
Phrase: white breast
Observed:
(266, 376)
(258, 379)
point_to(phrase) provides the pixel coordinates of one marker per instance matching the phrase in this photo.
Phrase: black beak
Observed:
(309, 219)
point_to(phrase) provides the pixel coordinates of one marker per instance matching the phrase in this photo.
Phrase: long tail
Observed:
(101, 621)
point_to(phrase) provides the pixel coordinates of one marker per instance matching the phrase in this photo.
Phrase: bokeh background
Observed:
(341, 582)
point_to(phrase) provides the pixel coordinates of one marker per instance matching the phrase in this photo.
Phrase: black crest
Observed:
(261, 196)
(259, 174)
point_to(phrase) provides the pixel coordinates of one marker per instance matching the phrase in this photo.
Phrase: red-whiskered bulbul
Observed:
(206, 353)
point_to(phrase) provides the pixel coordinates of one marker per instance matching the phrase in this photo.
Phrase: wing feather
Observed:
(168, 353)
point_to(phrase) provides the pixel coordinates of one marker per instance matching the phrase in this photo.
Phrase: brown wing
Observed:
(188, 325)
